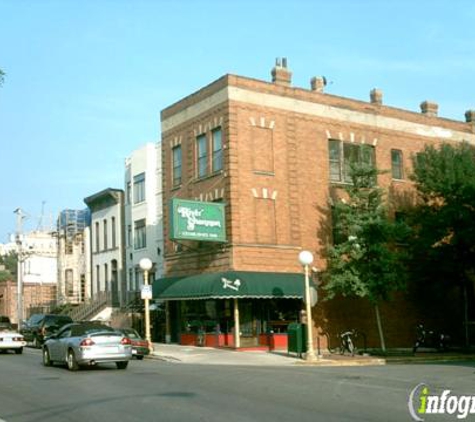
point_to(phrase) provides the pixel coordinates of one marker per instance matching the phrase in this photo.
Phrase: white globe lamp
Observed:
(305, 257)
(146, 264)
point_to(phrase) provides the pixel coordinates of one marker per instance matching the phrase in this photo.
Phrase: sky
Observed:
(86, 79)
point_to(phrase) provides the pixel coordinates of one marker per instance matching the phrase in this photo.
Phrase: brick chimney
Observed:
(280, 74)
(376, 96)
(318, 83)
(429, 108)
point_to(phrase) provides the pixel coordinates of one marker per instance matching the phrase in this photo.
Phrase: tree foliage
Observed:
(2, 77)
(443, 246)
(364, 260)
(9, 261)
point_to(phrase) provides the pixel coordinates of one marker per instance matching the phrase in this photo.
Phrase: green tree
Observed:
(443, 246)
(364, 261)
(2, 76)
(9, 261)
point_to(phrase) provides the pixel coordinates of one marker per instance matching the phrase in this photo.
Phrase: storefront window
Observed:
(199, 316)
(280, 313)
(257, 316)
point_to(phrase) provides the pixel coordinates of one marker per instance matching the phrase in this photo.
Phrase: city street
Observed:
(154, 390)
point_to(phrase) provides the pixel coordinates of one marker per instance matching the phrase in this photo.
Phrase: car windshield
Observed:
(34, 319)
(81, 330)
(131, 334)
(57, 320)
(5, 327)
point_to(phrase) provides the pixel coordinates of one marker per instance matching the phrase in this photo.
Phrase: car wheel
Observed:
(122, 365)
(19, 351)
(72, 362)
(139, 357)
(46, 357)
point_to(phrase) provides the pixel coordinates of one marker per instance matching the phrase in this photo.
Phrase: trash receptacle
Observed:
(296, 338)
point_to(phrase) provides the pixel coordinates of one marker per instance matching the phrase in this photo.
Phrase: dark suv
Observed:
(5, 319)
(41, 325)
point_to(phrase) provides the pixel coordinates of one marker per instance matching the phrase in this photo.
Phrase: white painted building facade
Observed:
(107, 244)
(143, 214)
(39, 250)
(40, 253)
(7, 248)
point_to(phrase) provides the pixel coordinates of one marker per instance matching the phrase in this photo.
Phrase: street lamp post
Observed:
(146, 265)
(306, 258)
(20, 258)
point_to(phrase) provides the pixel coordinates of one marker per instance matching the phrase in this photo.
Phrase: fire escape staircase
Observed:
(92, 307)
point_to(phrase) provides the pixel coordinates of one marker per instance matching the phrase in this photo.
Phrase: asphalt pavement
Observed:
(154, 390)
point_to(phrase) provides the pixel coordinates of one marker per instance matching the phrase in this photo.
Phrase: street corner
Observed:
(342, 360)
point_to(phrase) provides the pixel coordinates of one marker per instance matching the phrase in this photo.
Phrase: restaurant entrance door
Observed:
(248, 324)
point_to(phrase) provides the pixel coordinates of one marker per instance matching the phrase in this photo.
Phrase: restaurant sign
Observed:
(196, 220)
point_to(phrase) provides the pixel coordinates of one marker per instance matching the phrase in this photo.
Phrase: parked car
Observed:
(10, 339)
(79, 344)
(5, 319)
(41, 325)
(139, 345)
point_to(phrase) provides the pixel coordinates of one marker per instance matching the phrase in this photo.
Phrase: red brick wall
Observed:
(8, 299)
(34, 296)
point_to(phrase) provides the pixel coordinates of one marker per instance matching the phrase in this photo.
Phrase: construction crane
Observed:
(40, 226)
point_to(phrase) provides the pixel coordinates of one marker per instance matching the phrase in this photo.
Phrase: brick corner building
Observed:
(274, 155)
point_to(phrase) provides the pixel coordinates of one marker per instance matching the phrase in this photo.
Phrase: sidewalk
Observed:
(211, 356)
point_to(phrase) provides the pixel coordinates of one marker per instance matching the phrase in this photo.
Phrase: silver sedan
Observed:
(88, 343)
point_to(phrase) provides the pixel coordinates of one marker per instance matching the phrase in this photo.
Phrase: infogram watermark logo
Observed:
(422, 403)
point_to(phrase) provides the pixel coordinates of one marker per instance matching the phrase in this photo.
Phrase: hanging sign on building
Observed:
(196, 220)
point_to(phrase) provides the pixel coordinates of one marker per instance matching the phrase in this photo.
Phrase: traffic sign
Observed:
(146, 292)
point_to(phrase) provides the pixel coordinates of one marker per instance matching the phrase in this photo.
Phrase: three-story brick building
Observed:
(275, 156)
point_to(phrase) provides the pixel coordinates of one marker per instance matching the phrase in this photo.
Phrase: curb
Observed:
(429, 359)
(164, 358)
(327, 362)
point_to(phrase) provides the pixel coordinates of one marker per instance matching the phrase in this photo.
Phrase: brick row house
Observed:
(273, 157)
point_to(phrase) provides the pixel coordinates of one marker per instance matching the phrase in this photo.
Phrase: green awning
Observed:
(231, 284)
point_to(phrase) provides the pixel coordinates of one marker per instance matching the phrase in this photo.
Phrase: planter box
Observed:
(188, 339)
(219, 340)
(273, 341)
(210, 340)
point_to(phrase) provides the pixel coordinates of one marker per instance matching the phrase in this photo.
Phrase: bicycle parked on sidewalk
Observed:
(347, 342)
(430, 338)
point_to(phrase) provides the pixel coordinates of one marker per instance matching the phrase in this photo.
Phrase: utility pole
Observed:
(42, 215)
(19, 242)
